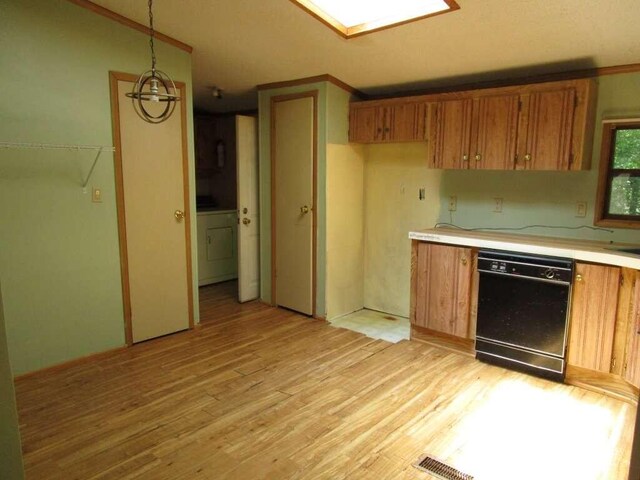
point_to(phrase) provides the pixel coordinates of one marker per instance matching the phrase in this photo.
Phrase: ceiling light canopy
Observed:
(356, 17)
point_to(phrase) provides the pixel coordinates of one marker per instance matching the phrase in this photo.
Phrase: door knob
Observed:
(179, 214)
(304, 209)
(578, 278)
(245, 210)
(246, 221)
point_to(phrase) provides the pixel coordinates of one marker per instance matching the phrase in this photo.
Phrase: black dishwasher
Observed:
(523, 306)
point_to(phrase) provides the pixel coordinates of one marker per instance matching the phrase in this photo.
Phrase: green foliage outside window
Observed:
(625, 173)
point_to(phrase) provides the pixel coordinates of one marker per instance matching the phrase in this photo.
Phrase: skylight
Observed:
(356, 17)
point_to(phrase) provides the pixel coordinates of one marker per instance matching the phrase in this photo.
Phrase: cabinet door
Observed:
(449, 133)
(363, 124)
(443, 290)
(593, 316)
(632, 363)
(545, 130)
(406, 122)
(495, 130)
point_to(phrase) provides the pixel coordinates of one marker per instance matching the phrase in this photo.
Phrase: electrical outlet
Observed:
(96, 195)
(581, 209)
(453, 203)
(497, 206)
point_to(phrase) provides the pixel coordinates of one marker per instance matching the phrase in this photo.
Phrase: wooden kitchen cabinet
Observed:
(494, 132)
(441, 289)
(475, 133)
(387, 122)
(449, 136)
(542, 126)
(545, 130)
(364, 124)
(631, 367)
(592, 319)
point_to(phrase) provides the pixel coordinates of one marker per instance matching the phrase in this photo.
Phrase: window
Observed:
(618, 203)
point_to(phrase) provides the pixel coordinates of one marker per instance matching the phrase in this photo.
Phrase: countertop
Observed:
(585, 250)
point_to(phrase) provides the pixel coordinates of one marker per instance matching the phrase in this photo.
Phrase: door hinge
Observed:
(519, 105)
(613, 363)
(621, 280)
(575, 102)
(570, 159)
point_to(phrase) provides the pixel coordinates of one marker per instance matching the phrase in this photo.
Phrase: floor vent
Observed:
(439, 469)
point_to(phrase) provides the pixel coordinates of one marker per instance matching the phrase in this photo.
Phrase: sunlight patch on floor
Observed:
(520, 431)
(374, 324)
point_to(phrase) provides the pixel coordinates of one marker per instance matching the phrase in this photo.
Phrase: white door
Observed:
(156, 265)
(248, 225)
(293, 166)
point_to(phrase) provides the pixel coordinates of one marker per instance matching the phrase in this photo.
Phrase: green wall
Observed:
(59, 261)
(10, 448)
(333, 124)
(547, 198)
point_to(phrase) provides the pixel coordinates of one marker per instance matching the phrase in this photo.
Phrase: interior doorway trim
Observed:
(114, 77)
(314, 211)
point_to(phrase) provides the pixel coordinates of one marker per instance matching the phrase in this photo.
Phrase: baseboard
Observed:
(71, 363)
(606, 383)
(465, 346)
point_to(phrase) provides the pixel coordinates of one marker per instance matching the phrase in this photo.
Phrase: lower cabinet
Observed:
(631, 366)
(593, 320)
(604, 330)
(442, 290)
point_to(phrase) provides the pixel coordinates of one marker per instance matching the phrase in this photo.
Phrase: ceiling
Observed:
(238, 44)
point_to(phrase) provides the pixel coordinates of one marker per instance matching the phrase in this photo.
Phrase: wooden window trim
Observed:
(606, 170)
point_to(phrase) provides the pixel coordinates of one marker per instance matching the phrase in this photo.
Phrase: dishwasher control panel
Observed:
(554, 271)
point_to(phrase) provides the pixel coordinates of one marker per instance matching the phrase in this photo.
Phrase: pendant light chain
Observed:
(152, 34)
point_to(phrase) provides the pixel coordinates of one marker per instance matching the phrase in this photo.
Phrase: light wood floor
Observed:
(259, 392)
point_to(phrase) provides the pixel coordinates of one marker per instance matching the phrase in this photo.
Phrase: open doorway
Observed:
(227, 204)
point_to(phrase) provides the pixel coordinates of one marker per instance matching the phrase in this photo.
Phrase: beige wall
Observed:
(345, 229)
(393, 175)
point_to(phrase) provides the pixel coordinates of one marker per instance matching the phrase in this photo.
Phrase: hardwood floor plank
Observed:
(258, 392)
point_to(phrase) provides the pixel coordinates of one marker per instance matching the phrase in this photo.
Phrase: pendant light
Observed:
(153, 86)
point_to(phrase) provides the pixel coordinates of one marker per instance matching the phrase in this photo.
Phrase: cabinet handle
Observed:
(465, 158)
(527, 157)
(478, 157)
(578, 278)
(463, 260)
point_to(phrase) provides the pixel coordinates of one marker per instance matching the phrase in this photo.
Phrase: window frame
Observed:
(605, 176)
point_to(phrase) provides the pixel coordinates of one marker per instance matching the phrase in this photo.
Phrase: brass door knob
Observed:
(478, 157)
(527, 157)
(179, 214)
(463, 260)
(304, 209)
(246, 221)
(578, 278)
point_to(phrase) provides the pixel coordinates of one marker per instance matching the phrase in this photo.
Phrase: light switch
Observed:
(96, 195)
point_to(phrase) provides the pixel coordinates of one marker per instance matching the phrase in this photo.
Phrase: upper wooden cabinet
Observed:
(399, 122)
(442, 278)
(546, 130)
(494, 130)
(593, 316)
(450, 133)
(543, 126)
